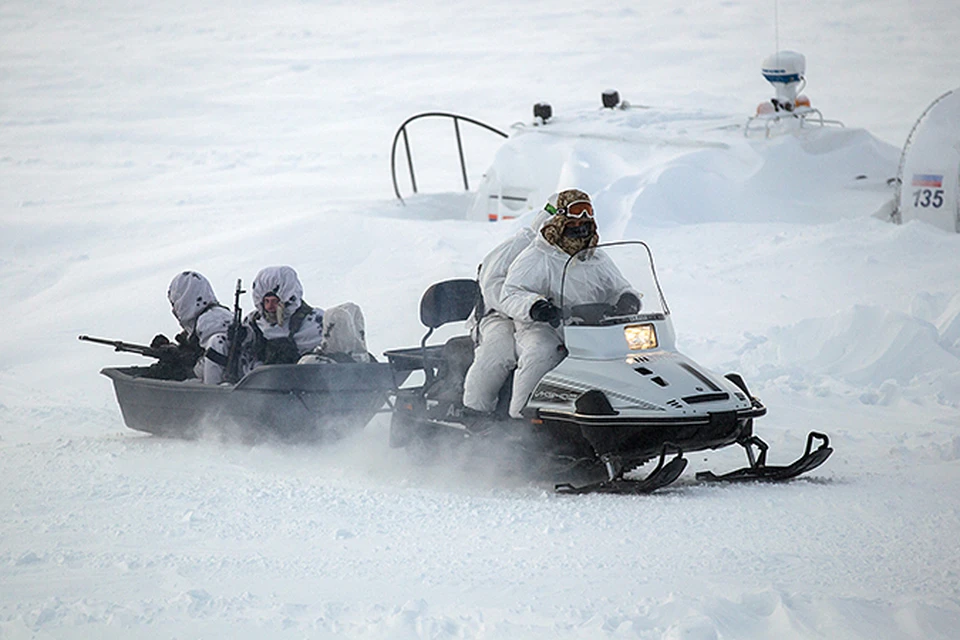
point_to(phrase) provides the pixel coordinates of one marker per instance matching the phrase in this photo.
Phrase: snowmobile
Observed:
(622, 396)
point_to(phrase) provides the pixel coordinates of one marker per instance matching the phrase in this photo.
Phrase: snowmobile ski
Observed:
(760, 471)
(665, 473)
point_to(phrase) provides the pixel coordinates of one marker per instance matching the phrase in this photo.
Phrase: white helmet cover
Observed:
(189, 294)
(282, 282)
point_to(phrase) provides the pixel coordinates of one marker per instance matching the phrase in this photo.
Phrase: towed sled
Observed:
(623, 395)
(291, 402)
(316, 402)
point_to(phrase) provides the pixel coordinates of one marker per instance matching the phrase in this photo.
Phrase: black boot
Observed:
(476, 422)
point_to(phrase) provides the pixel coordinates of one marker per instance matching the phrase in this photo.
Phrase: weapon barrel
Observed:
(119, 345)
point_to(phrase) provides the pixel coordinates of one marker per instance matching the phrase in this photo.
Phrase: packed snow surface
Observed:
(140, 139)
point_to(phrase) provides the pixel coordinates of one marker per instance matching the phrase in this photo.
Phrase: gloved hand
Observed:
(545, 311)
(158, 341)
(169, 353)
(627, 305)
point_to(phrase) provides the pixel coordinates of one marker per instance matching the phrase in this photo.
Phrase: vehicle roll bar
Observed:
(402, 132)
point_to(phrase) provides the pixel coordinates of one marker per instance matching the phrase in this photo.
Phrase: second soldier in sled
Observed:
(283, 327)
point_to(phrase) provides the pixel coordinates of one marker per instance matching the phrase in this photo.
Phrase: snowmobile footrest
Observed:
(664, 474)
(760, 471)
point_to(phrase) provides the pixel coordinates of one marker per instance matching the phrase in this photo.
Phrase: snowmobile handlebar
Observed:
(620, 243)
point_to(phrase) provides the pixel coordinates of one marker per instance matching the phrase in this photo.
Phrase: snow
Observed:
(140, 139)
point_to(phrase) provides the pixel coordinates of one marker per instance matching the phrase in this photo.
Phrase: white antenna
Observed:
(776, 25)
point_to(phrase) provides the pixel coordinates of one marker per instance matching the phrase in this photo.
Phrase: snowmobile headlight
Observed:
(640, 336)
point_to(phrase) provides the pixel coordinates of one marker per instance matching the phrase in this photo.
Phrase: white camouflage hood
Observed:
(189, 294)
(284, 283)
(344, 331)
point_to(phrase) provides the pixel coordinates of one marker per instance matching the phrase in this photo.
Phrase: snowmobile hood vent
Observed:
(706, 397)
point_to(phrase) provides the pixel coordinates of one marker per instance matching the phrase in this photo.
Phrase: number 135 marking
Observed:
(928, 198)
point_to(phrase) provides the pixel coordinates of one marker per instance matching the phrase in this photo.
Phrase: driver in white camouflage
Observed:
(531, 293)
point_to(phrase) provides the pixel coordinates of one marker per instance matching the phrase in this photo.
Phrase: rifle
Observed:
(142, 349)
(173, 362)
(235, 334)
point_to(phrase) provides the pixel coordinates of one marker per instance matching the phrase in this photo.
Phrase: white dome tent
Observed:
(927, 180)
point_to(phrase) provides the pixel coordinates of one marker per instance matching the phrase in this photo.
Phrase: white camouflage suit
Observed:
(496, 353)
(536, 275)
(344, 336)
(283, 282)
(199, 313)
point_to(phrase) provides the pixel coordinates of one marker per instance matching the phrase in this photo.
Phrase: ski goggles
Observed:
(578, 209)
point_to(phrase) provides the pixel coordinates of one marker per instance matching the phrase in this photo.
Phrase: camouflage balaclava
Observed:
(555, 232)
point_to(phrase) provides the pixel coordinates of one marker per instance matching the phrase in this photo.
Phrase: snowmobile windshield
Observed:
(613, 283)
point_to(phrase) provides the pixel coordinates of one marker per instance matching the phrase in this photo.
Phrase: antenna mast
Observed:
(776, 25)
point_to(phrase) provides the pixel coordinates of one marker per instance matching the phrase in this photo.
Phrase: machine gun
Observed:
(235, 334)
(174, 363)
(130, 347)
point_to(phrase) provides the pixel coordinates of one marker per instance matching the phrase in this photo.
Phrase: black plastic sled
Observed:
(294, 402)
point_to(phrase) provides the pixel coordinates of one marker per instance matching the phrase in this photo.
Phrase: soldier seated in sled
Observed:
(344, 337)
(200, 349)
(283, 327)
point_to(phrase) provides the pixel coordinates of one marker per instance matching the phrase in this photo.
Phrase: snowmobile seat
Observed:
(442, 303)
(448, 301)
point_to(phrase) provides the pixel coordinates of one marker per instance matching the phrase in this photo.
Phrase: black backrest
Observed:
(448, 301)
